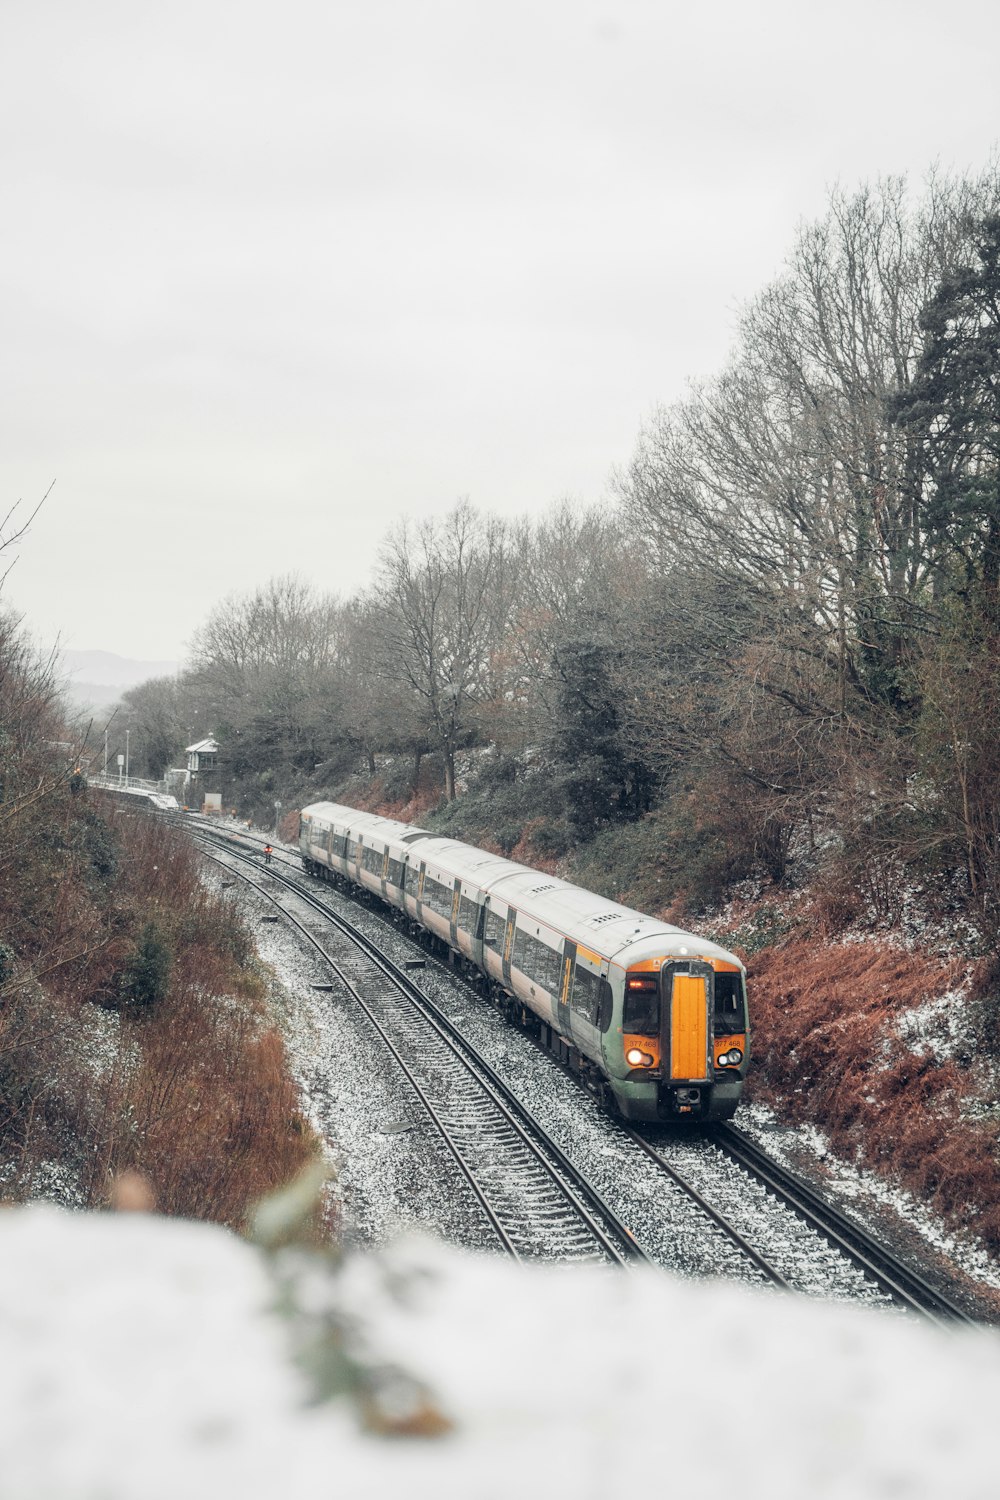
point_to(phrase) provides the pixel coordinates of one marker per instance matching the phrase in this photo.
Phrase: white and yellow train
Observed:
(652, 1018)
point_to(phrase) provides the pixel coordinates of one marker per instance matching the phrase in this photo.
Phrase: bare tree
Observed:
(380, 710)
(785, 472)
(154, 714)
(448, 589)
(262, 670)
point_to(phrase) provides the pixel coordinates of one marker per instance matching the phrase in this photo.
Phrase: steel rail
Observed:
(769, 1272)
(764, 1266)
(489, 1082)
(477, 1190)
(906, 1287)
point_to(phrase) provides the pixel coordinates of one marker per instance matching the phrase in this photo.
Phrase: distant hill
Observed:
(96, 678)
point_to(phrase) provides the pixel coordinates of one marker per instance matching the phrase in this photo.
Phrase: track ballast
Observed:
(500, 1177)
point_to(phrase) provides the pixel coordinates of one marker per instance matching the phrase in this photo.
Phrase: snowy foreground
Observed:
(144, 1358)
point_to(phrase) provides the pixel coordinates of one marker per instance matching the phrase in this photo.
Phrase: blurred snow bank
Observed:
(142, 1359)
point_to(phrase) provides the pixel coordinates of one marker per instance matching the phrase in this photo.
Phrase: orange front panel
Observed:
(689, 1027)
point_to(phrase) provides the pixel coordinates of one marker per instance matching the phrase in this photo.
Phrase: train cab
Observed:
(684, 1037)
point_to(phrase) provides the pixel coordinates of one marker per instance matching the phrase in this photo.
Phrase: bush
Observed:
(507, 798)
(631, 863)
(678, 854)
(146, 978)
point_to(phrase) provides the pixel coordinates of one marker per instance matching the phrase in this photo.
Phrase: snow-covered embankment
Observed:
(145, 1357)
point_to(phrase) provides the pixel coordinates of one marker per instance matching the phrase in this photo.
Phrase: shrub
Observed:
(146, 977)
(828, 1050)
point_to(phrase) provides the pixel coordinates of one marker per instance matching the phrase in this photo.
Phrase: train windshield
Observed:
(641, 1014)
(730, 1016)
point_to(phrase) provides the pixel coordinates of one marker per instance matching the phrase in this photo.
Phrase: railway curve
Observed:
(880, 1268)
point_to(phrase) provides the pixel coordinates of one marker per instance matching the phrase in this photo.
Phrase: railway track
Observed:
(496, 1151)
(906, 1286)
(532, 1196)
(504, 1155)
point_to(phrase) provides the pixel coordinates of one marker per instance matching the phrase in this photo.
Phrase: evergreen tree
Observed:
(146, 976)
(953, 404)
(604, 778)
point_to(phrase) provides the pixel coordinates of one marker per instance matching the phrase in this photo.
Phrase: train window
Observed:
(468, 912)
(542, 964)
(338, 846)
(641, 1012)
(394, 874)
(371, 860)
(437, 896)
(729, 1012)
(495, 925)
(585, 999)
(538, 965)
(551, 967)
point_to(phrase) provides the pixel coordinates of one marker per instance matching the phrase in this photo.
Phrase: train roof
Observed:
(606, 927)
(364, 822)
(591, 921)
(468, 862)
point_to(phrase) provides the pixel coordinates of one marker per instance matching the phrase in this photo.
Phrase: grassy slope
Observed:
(884, 1042)
(188, 1086)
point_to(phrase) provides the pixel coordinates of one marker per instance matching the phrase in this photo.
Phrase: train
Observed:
(652, 1019)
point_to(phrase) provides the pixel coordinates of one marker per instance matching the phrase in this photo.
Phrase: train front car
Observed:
(679, 1042)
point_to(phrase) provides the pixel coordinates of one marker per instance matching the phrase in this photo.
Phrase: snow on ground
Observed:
(144, 1357)
(391, 1177)
(394, 1174)
(861, 1191)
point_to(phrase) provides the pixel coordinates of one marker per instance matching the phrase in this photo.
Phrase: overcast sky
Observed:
(273, 275)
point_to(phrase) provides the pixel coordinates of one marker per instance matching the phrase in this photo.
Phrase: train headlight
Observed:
(637, 1059)
(732, 1057)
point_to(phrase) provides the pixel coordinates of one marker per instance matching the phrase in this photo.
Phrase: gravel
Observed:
(394, 1174)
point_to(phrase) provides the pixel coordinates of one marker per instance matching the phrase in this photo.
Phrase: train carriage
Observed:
(652, 1017)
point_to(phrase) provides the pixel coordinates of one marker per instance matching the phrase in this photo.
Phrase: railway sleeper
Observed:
(515, 1010)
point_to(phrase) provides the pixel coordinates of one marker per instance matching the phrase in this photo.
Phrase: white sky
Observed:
(272, 275)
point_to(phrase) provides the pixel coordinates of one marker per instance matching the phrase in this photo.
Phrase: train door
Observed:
(494, 930)
(481, 904)
(563, 1011)
(687, 1033)
(456, 901)
(508, 944)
